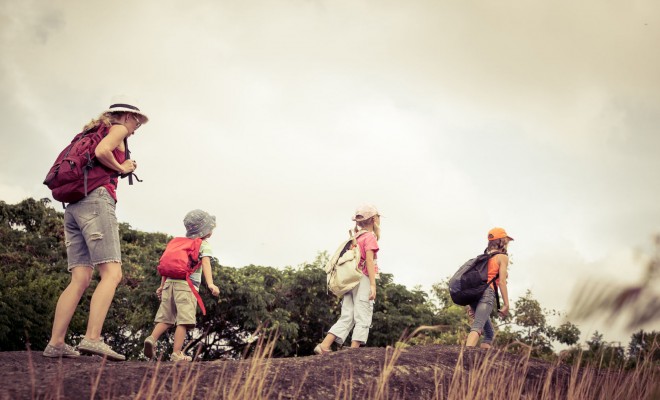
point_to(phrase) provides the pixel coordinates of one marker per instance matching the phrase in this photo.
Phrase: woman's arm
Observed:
(371, 270)
(208, 276)
(111, 141)
(503, 260)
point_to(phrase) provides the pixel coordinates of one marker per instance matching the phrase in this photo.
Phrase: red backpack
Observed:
(179, 260)
(76, 171)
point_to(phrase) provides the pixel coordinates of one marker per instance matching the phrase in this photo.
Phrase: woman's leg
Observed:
(489, 334)
(67, 303)
(102, 298)
(482, 312)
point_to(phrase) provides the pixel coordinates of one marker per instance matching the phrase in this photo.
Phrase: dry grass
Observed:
(494, 375)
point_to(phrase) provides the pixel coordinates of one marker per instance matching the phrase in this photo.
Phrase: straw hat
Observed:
(126, 104)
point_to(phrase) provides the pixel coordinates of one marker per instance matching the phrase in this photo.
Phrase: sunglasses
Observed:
(137, 121)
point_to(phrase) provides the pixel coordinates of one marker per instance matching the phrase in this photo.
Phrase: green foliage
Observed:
(398, 310)
(644, 346)
(294, 302)
(31, 256)
(452, 319)
(567, 333)
(598, 353)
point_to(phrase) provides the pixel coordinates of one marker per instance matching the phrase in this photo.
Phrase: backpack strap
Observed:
(194, 290)
(493, 281)
(130, 175)
(190, 272)
(495, 287)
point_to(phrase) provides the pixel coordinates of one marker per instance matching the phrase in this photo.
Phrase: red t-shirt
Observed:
(120, 156)
(368, 241)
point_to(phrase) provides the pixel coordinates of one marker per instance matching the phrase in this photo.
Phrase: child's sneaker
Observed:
(99, 348)
(60, 351)
(149, 345)
(180, 357)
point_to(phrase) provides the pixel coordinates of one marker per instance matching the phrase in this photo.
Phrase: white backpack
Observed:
(343, 268)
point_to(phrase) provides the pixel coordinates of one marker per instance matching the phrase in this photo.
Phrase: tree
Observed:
(398, 310)
(644, 346)
(529, 315)
(567, 333)
(451, 318)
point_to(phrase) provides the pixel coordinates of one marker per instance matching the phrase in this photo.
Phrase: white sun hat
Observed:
(123, 103)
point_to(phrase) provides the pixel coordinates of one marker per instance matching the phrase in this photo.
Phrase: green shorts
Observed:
(178, 304)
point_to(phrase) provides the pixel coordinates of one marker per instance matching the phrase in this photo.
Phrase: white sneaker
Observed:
(99, 348)
(180, 357)
(149, 346)
(60, 351)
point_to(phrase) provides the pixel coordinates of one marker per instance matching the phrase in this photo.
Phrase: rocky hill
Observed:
(418, 372)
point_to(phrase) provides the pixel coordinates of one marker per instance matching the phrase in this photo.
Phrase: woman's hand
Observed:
(128, 166)
(372, 292)
(504, 311)
(470, 312)
(159, 293)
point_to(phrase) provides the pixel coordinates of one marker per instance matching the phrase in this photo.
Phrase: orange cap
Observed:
(498, 233)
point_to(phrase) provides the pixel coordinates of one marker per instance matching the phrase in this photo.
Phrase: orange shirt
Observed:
(493, 269)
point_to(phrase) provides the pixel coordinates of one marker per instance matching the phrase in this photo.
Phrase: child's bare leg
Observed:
(327, 342)
(355, 344)
(159, 329)
(179, 337)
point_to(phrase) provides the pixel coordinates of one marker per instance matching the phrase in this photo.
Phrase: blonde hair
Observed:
(106, 119)
(368, 223)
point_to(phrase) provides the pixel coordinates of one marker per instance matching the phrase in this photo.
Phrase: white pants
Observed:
(356, 312)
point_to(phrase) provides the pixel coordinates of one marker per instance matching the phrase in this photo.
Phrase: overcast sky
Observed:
(280, 117)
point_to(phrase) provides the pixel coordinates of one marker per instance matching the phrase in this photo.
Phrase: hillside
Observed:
(419, 372)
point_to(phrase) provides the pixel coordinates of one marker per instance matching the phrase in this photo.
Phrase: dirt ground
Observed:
(418, 373)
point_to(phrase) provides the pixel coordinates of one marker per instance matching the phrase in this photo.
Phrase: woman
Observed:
(358, 304)
(498, 240)
(92, 237)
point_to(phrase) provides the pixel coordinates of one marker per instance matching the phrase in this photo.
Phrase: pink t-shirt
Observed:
(368, 241)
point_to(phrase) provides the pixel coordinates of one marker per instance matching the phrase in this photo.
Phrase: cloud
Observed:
(281, 118)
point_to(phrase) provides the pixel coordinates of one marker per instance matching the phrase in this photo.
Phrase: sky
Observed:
(281, 117)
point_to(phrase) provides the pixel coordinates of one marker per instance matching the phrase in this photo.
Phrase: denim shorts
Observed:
(91, 231)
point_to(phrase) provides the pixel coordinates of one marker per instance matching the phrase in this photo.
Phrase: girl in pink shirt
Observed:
(358, 304)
